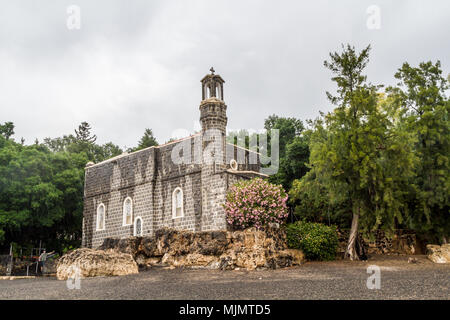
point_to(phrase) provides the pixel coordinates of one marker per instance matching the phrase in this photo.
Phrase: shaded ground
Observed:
(313, 280)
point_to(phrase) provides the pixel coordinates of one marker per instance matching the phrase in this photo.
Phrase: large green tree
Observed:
(421, 96)
(293, 149)
(358, 152)
(40, 194)
(41, 187)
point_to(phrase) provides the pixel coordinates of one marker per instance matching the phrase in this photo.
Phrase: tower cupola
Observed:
(213, 110)
(212, 86)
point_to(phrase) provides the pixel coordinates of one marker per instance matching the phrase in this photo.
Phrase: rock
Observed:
(141, 260)
(192, 260)
(438, 254)
(152, 261)
(297, 256)
(126, 245)
(246, 249)
(412, 260)
(173, 242)
(86, 262)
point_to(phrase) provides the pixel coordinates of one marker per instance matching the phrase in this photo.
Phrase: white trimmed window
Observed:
(127, 212)
(177, 203)
(138, 227)
(101, 211)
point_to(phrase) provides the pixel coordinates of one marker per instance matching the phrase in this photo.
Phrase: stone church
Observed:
(137, 193)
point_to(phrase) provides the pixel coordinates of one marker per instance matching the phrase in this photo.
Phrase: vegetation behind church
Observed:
(380, 155)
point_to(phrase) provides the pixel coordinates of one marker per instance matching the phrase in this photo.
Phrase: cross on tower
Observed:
(212, 70)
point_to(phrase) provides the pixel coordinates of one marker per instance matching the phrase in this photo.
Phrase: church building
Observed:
(137, 193)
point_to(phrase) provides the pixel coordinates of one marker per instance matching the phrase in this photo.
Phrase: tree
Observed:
(358, 152)
(41, 188)
(7, 129)
(83, 134)
(294, 164)
(289, 129)
(293, 149)
(425, 109)
(147, 140)
(40, 194)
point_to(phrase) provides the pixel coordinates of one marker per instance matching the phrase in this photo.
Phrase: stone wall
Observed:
(110, 182)
(401, 242)
(149, 178)
(249, 249)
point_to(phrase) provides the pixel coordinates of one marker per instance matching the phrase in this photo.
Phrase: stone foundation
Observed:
(402, 242)
(248, 249)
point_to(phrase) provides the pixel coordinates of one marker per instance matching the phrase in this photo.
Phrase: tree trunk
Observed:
(444, 240)
(351, 253)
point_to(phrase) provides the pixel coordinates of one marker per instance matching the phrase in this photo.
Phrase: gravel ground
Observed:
(313, 280)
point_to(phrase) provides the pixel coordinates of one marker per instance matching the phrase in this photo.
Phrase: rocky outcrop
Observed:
(399, 242)
(248, 249)
(86, 262)
(439, 254)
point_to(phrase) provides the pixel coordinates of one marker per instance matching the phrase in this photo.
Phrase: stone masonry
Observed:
(149, 178)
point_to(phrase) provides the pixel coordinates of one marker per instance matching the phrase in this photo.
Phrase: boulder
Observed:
(439, 254)
(247, 249)
(86, 262)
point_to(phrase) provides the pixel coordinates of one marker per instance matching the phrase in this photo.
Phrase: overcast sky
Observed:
(137, 64)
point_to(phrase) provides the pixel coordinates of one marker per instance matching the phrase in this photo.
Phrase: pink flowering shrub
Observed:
(255, 203)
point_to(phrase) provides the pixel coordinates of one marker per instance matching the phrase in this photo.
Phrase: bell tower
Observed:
(213, 118)
(213, 113)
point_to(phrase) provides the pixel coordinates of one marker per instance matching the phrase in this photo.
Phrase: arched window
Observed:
(101, 211)
(138, 227)
(127, 212)
(177, 203)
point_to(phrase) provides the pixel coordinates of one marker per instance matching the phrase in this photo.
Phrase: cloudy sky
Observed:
(137, 64)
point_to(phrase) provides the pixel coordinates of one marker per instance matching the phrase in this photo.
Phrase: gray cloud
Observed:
(138, 64)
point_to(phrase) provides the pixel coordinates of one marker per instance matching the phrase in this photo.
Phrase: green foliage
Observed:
(312, 202)
(67, 249)
(83, 143)
(147, 140)
(360, 154)
(41, 188)
(83, 134)
(316, 240)
(293, 149)
(424, 113)
(7, 130)
(41, 193)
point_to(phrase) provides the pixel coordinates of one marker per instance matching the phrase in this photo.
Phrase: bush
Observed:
(255, 203)
(316, 240)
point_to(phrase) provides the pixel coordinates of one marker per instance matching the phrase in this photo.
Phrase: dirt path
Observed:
(313, 280)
